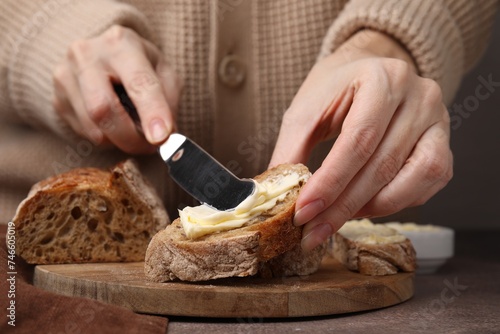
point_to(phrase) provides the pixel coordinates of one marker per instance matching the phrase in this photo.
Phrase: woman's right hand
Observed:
(84, 95)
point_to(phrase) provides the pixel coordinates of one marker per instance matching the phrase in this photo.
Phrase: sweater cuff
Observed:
(42, 44)
(425, 28)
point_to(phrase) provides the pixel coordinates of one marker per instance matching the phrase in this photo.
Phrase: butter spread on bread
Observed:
(364, 231)
(268, 244)
(373, 249)
(204, 219)
(411, 227)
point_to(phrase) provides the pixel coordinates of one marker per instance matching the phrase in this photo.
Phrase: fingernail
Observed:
(96, 136)
(308, 212)
(316, 237)
(158, 131)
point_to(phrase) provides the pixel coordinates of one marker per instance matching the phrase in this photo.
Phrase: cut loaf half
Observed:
(238, 252)
(89, 215)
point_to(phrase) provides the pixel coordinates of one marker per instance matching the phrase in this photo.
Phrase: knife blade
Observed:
(193, 169)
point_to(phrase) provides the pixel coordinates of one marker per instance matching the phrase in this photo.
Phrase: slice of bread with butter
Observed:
(204, 244)
(373, 249)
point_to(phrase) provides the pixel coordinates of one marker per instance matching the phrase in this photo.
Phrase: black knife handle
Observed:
(128, 105)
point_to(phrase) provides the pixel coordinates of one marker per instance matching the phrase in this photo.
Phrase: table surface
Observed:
(462, 297)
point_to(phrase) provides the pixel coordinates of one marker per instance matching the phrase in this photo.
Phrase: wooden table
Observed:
(463, 297)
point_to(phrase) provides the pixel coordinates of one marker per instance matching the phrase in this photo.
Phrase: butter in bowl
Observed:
(433, 244)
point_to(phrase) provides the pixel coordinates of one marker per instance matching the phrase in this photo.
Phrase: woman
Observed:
(253, 82)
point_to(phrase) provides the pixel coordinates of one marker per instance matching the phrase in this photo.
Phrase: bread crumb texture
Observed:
(89, 215)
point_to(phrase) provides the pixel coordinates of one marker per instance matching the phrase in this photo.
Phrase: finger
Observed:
(361, 134)
(144, 88)
(380, 170)
(103, 107)
(302, 129)
(294, 139)
(69, 104)
(428, 169)
(315, 237)
(438, 185)
(385, 164)
(403, 132)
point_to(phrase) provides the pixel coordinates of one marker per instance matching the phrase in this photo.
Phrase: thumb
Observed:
(293, 144)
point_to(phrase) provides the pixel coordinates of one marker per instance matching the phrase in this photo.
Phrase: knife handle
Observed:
(129, 106)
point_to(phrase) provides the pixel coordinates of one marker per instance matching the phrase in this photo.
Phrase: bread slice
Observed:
(373, 249)
(89, 215)
(295, 262)
(238, 252)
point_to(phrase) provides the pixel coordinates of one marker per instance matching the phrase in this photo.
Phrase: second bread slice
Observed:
(373, 249)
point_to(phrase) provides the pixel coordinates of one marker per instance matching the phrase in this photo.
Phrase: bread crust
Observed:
(239, 252)
(374, 259)
(168, 258)
(295, 262)
(89, 215)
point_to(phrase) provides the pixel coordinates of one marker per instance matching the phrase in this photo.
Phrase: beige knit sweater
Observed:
(275, 42)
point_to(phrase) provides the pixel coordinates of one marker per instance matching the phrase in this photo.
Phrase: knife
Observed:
(192, 168)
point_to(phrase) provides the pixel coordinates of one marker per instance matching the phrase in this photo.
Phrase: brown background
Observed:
(472, 198)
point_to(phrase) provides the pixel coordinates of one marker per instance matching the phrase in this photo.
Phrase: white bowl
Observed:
(433, 244)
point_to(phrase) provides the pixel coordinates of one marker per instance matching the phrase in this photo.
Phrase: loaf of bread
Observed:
(89, 215)
(373, 249)
(171, 255)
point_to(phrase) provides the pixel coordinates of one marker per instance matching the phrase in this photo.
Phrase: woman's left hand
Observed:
(392, 148)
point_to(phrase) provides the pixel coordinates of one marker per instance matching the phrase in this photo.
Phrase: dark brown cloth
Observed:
(39, 311)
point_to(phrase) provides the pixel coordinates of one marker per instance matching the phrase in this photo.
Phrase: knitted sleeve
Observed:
(35, 36)
(444, 37)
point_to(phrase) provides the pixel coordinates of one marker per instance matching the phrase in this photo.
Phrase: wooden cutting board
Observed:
(331, 290)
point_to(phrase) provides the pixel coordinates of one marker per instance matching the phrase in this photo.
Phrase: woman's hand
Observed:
(392, 149)
(84, 95)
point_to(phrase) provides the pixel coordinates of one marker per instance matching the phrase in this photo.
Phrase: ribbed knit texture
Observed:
(38, 36)
(445, 37)
(288, 38)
